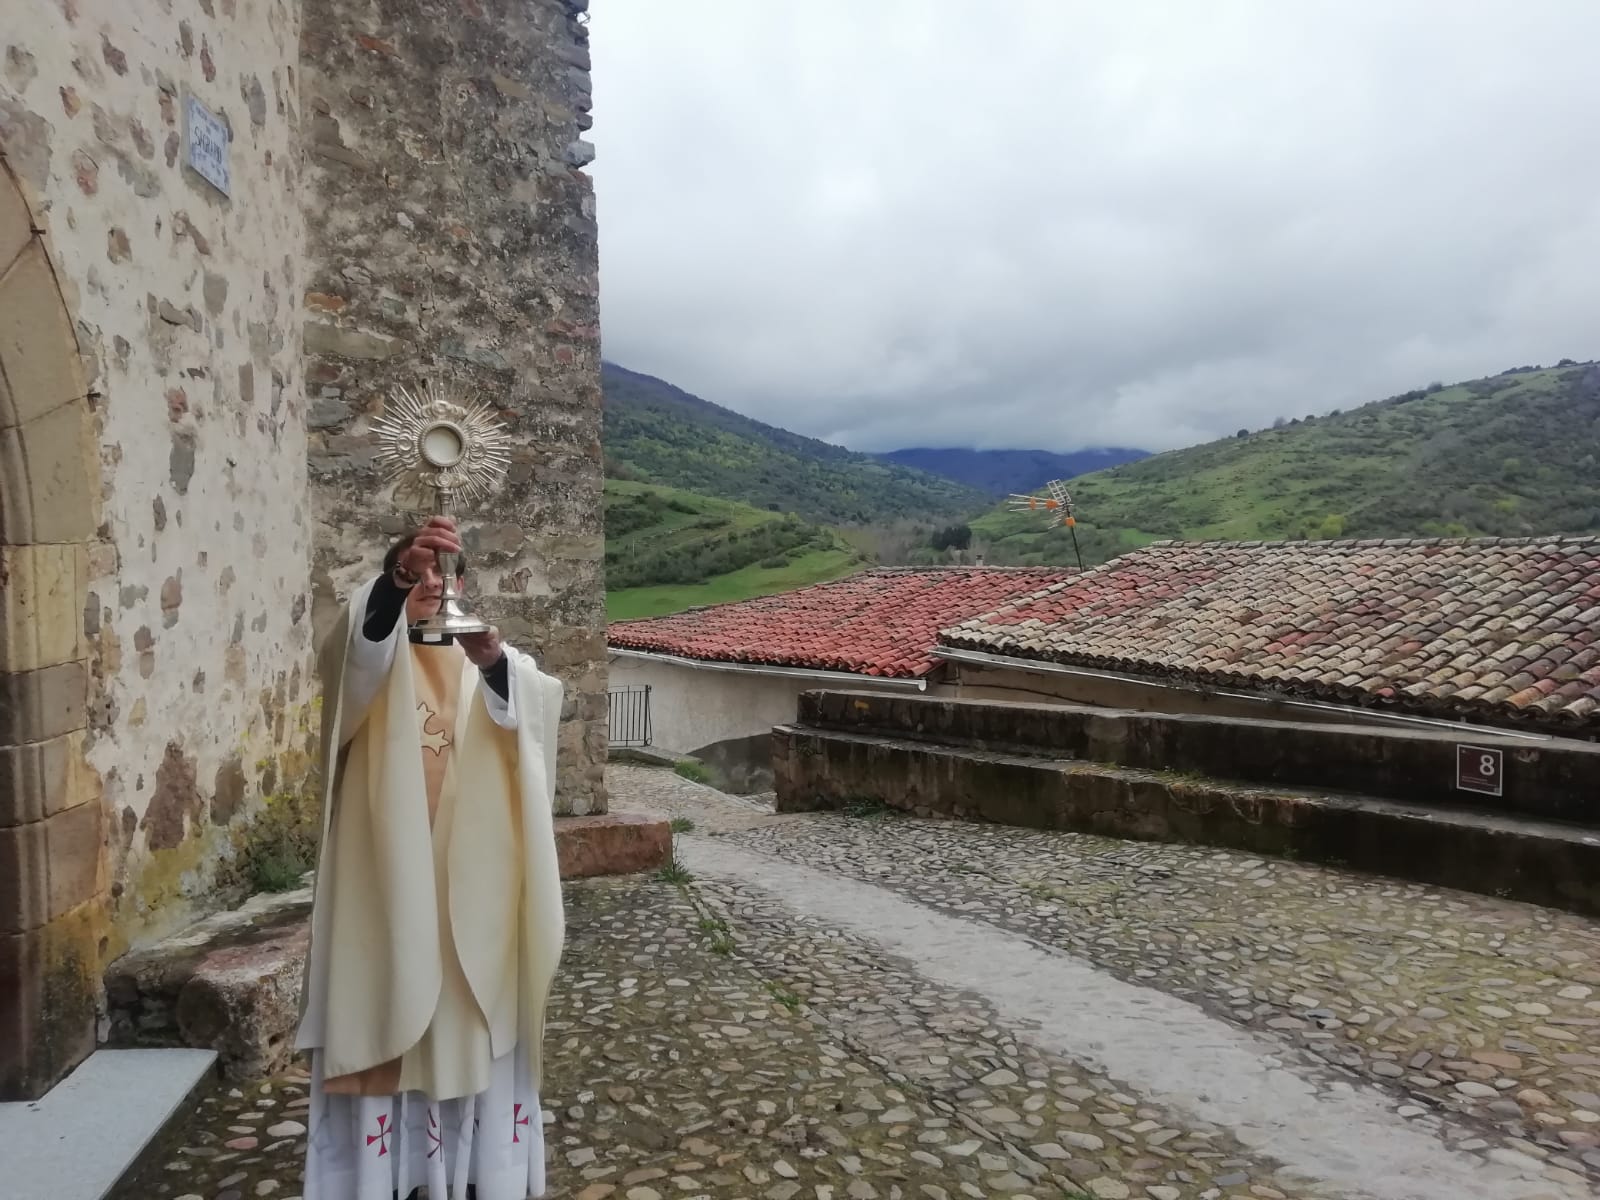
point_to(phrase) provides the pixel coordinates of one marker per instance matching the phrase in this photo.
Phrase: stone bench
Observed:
(231, 982)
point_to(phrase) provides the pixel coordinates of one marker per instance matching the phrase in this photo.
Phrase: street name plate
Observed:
(206, 148)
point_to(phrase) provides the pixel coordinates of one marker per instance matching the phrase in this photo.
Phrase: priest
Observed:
(437, 922)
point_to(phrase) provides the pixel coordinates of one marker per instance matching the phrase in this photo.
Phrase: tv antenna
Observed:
(1056, 504)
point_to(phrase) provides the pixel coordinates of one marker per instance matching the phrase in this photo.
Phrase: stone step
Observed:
(83, 1135)
(1552, 778)
(1500, 854)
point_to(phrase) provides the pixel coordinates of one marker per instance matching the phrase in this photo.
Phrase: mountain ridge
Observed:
(999, 473)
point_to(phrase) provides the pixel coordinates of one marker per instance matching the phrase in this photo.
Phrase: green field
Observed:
(1511, 455)
(816, 567)
(669, 549)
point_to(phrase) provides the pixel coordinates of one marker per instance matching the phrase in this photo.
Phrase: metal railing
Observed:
(628, 715)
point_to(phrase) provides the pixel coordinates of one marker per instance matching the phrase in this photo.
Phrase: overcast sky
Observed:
(1057, 224)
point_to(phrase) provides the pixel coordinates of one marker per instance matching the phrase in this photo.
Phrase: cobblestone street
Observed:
(855, 1007)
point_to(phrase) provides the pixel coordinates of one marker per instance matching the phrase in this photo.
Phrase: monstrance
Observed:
(457, 450)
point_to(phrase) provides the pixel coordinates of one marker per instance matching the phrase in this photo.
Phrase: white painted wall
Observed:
(694, 707)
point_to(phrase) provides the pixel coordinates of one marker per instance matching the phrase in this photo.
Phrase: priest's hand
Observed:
(484, 649)
(437, 536)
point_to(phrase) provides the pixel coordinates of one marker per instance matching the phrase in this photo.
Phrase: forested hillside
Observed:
(1509, 455)
(657, 433)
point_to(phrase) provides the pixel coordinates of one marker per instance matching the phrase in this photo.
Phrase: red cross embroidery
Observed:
(436, 1141)
(382, 1136)
(517, 1119)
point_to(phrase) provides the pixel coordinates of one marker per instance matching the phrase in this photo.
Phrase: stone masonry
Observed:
(407, 199)
(452, 235)
(155, 536)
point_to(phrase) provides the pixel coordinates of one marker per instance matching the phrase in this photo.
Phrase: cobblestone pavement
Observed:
(1479, 1015)
(709, 1040)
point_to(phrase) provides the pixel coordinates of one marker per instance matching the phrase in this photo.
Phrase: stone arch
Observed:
(51, 844)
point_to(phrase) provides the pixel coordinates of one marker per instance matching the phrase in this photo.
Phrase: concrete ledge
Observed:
(88, 1131)
(611, 844)
(1521, 858)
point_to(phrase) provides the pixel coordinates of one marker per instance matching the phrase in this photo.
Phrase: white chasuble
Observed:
(437, 923)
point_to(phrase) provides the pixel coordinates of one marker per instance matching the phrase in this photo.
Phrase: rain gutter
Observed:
(836, 677)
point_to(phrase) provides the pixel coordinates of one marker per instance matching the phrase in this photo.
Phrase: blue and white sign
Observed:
(207, 145)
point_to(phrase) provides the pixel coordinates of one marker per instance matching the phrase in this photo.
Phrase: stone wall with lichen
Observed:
(194, 596)
(451, 234)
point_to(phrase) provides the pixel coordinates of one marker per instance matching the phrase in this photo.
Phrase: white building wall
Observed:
(692, 708)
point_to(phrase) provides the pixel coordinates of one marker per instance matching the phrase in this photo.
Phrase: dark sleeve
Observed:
(498, 677)
(385, 603)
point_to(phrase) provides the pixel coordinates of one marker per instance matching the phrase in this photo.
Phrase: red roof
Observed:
(1481, 628)
(882, 622)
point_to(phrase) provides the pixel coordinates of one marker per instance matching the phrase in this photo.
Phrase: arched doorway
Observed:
(51, 820)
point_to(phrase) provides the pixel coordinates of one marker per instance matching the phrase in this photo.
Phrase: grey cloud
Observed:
(1057, 224)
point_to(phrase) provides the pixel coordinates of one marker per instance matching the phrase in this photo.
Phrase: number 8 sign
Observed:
(1480, 769)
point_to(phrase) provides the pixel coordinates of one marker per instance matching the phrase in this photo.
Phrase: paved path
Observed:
(854, 1008)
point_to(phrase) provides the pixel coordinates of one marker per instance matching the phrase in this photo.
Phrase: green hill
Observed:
(656, 433)
(1510, 455)
(668, 549)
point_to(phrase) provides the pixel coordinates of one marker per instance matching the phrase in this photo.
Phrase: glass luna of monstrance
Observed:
(442, 452)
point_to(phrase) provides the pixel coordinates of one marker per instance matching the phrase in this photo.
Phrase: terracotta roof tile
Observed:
(882, 622)
(1485, 627)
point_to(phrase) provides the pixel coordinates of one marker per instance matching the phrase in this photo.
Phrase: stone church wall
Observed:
(187, 604)
(452, 234)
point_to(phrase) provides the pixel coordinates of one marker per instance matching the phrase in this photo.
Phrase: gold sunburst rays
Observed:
(434, 442)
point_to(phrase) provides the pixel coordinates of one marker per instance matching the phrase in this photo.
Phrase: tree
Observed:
(952, 537)
(1243, 433)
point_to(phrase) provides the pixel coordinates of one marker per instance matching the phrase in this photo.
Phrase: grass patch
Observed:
(721, 937)
(278, 873)
(681, 825)
(273, 851)
(675, 872)
(695, 772)
(784, 996)
(865, 808)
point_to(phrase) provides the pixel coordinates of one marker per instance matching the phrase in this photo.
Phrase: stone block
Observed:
(42, 778)
(228, 983)
(47, 1001)
(36, 706)
(41, 609)
(38, 350)
(49, 867)
(322, 338)
(613, 844)
(49, 478)
(16, 225)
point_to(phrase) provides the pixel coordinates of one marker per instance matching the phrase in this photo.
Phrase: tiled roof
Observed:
(1484, 628)
(881, 622)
